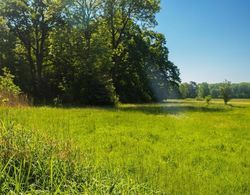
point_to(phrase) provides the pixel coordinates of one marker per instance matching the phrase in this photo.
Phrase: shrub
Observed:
(208, 99)
(10, 94)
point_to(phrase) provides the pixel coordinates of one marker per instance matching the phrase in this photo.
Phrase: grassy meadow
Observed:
(179, 147)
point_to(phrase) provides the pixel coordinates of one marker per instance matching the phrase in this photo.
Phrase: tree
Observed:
(120, 16)
(203, 90)
(7, 45)
(86, 51)
(188, 90)
(184, 90)
(31, 21)
(241, 90)
(192, 89)
(225, 90)
(81, 57)
(144, 73)
(163, 73)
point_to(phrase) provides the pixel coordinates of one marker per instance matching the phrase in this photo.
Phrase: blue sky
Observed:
(209, 40)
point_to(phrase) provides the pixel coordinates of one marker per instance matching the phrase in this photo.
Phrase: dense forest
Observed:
(86, 51)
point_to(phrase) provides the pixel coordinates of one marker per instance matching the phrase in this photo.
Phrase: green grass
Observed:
(181, 147)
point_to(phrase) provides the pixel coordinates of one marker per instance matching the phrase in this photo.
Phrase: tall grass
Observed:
(175, 148)
(35, 163)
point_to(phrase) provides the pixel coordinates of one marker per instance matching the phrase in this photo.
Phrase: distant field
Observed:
(179, 147)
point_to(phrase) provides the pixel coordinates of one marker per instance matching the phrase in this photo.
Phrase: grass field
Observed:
(180, 147)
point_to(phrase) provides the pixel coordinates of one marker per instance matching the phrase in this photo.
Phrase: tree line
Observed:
(202, 90)
(86, 51)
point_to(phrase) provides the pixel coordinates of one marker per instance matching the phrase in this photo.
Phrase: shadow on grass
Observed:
(234, 106)
(171, 109)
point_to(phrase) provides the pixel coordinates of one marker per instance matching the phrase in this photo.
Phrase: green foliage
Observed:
(188, 90)
(238, 90)
(184, 90)
(8, 90)
(7, 83)
(208, 99)
(225, 91)
(193, 89)
(173, 148)
(203, 90)
(86, 52)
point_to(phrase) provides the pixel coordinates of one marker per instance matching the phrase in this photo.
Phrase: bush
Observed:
(10, 94)
(208, 99)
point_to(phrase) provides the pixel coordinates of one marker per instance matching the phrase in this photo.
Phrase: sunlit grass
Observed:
(180, 147)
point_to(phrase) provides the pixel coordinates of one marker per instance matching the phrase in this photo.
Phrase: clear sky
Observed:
(209, 40)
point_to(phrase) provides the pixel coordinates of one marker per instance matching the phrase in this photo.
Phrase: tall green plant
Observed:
(8, 90)
(7, 83)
